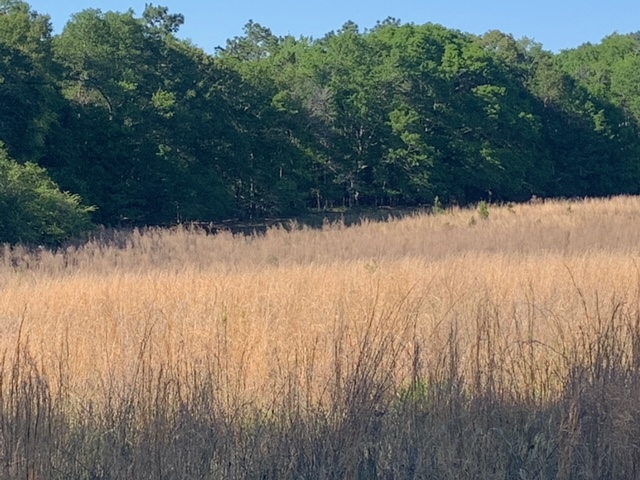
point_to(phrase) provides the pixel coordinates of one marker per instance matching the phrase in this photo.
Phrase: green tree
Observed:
(270, 173)
(147, 119)
(153, 130)
(29, 97)
(591, 134)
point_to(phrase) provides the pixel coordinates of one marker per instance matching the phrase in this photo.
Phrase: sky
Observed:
(557, 24)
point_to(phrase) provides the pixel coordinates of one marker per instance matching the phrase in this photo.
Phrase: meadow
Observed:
(467, 344)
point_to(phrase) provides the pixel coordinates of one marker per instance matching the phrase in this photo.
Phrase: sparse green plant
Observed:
(416, 394)
(372, 267)
(437, 207)
(483, 210)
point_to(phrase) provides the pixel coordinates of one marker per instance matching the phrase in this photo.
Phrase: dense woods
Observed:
(117, 121)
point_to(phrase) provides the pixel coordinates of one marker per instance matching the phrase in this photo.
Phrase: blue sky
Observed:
(557, 24)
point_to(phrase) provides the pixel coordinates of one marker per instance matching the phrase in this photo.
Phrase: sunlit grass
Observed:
(334, 352)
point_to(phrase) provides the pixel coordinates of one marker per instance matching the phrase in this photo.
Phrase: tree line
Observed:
(116, 120)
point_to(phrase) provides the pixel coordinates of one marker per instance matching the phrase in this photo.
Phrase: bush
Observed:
(33, 209)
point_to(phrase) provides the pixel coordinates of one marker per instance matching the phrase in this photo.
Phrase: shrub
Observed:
(33, 209)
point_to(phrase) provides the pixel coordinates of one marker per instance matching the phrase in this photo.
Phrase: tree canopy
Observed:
(152, 130)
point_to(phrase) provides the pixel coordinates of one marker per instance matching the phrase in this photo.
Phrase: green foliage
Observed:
(152, 129)
(28, 93)
(483, 210)
(437, 207)
(159, 19)
(157, 104)
(33, 210)
(416, 395)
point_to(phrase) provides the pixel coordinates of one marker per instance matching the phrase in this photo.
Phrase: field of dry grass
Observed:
(433, 346)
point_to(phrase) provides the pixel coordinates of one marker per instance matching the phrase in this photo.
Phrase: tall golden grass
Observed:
(432, 346)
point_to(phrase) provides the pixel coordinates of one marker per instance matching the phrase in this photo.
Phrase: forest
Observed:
(116, 121)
